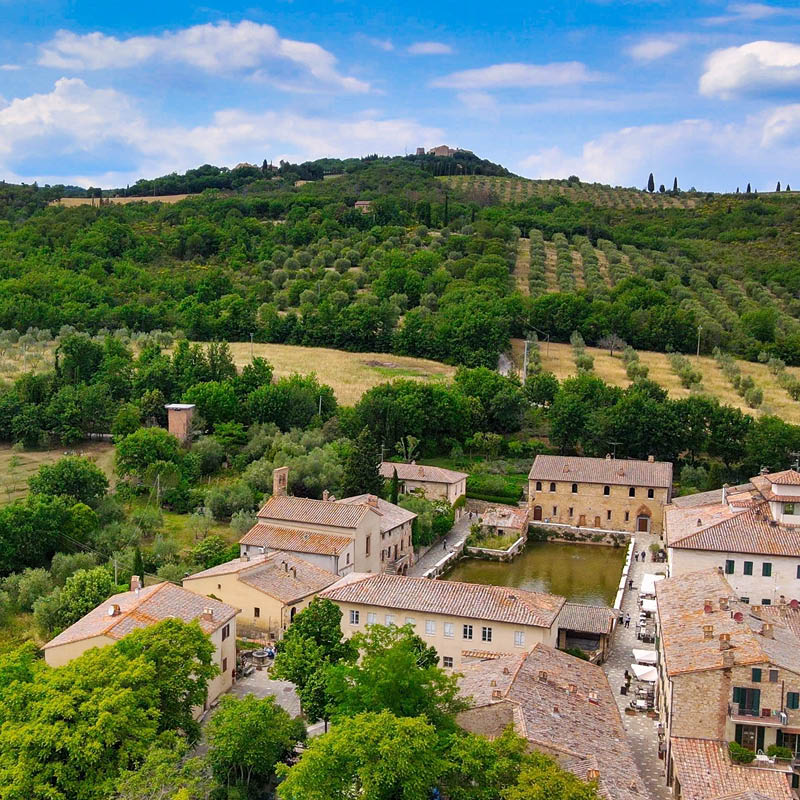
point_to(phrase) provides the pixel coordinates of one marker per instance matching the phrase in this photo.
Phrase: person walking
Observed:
(630, 583)
(444, 544)
(627, 620)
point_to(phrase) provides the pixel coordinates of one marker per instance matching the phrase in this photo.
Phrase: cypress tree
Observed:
(675, 185)
(788, 188)
(778, 187)
(395, 495)
(747, 190)
(138, 565)
(362, 466)
(651, 183)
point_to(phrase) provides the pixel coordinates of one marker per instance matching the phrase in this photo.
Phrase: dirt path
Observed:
(602, 266)
(577, 269)
(523, 266)
(550, 266)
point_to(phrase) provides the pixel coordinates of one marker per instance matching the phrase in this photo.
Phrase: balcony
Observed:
(755, 716)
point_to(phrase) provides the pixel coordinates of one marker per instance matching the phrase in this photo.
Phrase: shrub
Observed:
(779, 751)
(739, 754)
(210, 453)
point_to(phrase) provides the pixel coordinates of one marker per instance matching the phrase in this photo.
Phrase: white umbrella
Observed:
(649, 606)
(644, 673)
(645, 656)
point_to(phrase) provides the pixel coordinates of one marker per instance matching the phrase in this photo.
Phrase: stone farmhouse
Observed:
(604, 493)
(363, 533)
(141, 607)
(751, 532)
(269, 589)
(563, 706)
(435, 483)
(727, 672)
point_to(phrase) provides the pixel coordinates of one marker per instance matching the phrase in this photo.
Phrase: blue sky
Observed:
(103, 93)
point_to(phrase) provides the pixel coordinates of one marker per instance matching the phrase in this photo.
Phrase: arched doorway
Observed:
(537, 513)
(292, 613)
(643, 520)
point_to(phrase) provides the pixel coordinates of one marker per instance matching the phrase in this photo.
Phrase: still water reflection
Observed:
(581, 573)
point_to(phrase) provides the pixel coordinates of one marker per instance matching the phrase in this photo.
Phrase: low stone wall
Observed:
(497, 555)
(553, 532)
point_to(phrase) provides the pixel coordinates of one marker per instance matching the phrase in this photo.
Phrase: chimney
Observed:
(608, 456)
(651, 459)
(708, 632)
(506, 671)
(244, 557)
(592, 774)
(372, 501)
(496, 694)
(724, 641)
(285, 566)
(593, 697)
(555, 709)
(542, 676)
(724, 494)
(280, 481)
(113, 610)
(492, 683)
(766, 630)
(136, 583)
(208, 614)
(572, 688)
(294, 572)
(764, 471)
(723, 604)
(708, 606)
(325, 494)
(755, 610)
(728, 659)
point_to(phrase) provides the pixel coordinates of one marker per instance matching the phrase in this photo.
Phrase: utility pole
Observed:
(525, 362)
(614, 450)
(796, 463)
(251, 345)
(699, 329)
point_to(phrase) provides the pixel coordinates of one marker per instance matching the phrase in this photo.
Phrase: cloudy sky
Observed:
(706, 91)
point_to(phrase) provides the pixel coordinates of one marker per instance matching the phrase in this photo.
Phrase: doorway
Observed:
(643, 524)
(597, 522)
(537, 513)
(582, 520)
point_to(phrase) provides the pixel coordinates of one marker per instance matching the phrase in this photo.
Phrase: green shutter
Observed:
(748, 567)
(766, 569)
(737, 695)
(756, 707)
(760, 737)
(756, 675)
(793, 700)
(729, 567)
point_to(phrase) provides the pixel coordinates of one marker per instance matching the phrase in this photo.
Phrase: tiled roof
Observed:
(706, 772)
(578, 469)
(281, 575)
(788, 477)
(151, 605)
(392, 516)
(565, 706)
(682, 615)
(421, 472)
(286, 508)
(586, 619)
(711, 498)
(470, 600)
(725, 529)
(294, 539)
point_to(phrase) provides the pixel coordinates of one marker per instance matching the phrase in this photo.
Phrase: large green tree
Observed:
(71, 476)
(362, 466)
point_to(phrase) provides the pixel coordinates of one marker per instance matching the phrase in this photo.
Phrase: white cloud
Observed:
(518, 76)
(10, 67)
(430, 49)
(103, 128)
(782, 126)
(382, 44)
(655, 47)
(755, 67)
(749, 12)
(215, 48)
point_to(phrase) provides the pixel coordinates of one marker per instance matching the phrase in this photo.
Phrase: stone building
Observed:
(143, 607)
(363, 533)
(563, 706)
(463, 621)
(268, 589)
(727, 671)
(751, 532)
(435, 483)
(603, 493)
(179, 421)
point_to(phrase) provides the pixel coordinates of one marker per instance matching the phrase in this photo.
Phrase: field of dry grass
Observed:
(16, 467)
(558, 359)
(350, 374)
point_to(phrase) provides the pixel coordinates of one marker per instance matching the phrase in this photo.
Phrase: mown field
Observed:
(559, 359)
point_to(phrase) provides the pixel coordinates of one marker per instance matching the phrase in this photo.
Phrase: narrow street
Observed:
(454, 540)
(642, 731)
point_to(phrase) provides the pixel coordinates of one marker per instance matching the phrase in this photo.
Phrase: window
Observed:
(372, 618)
(798, 570)
(773, 676)
(348, 558)
(256, 612)
(538, 486)
(651, 493)
(448, 629)
(729, 566)
(570, 510)
(756, 675)
(486, 634)
(745, 599)
(627, 516)
(224, 665)
(552, 487)
(226, 632)
(574, 488)
(519, 638)
(219, 586)
(367, 544)
(355, 617)
(788, 508)
(447, 661)
(390, 619)
(608, 513)
(792, 699)
(411, 621)
(748, 568)
(555, 510)
(765, 601)
(383, 555)
(430, 627)
(766, 569)
(632, 492)
(467, 632)
(606, 490)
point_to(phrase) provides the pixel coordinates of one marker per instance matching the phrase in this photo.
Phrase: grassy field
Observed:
(558, 358)
(350, 374)
(17, 467)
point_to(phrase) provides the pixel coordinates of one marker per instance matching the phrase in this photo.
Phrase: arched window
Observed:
(574, 488)
(538, 486)
(552, 487)
(606, 490)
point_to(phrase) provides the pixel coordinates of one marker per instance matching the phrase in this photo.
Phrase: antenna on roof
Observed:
(614, 450)
(796, 463)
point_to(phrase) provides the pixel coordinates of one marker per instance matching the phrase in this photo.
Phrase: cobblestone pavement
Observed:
(642, 731)
(455, 541)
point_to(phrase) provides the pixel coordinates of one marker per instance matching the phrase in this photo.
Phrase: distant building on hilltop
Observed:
(442, 150)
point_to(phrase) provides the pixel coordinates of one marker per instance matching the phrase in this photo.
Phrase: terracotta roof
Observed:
(392, 516)
(294, 539)
(706, 772)
(726, 529)
(469, 600)
(330, 513)
(565, 706)
(151, 605)
(421, 472)
(586, 619)
(788, 477)
(620, 472)
(273, 574)
(682, 615)
(747, 794)
(711, 498)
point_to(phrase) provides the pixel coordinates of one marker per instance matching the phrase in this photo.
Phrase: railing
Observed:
(770, 717)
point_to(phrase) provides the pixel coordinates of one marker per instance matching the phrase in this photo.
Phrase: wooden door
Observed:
(582, 520)
(597, 522)
(537, 513)
(643, 524)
